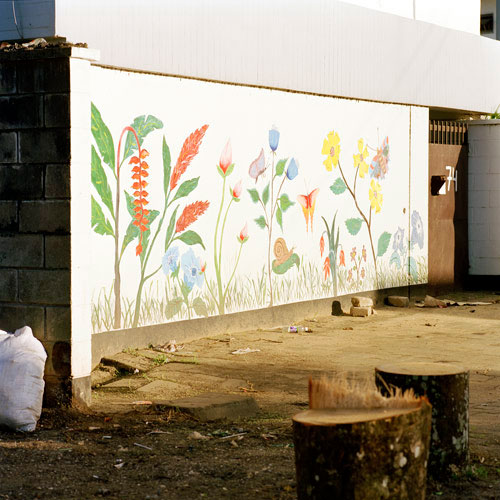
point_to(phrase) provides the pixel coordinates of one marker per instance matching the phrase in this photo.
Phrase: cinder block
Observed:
(58, 323)
(57, 181)
(8, 147)
(49, 216)
(8, 285)
(45, 75)
(361, 311)
(21, 182)
(479, 199)
(486, 182)
(494, 199)
(21, 111)
(56, 110)
(58, 358)
(479, 231)
(44, 146)
(7, 77)
(21, 250)
(360, 301)
(398, 301)
(8, 216)
(14, 316)
(57, 252)
(44, 287)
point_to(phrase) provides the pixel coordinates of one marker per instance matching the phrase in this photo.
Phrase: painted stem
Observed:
(364, 218)
(270, 235)
(216, 263)
(234, 271)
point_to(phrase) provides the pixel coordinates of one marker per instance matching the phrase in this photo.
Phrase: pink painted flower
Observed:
(243, 236)
(322, 245)
(349, 276)
(363, 272)
(226, 157)
(353, 253)
(237, 190)
(363, 253)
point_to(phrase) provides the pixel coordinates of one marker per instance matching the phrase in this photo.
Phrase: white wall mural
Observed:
(211, 198)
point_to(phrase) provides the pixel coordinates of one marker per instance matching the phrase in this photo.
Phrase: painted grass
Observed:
(249, 292)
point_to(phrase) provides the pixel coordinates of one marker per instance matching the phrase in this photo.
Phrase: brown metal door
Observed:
(448, 237)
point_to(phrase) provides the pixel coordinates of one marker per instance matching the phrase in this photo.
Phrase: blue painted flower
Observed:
(398, 240)
(170, 261)
(274, 138)
(191, 267)
(292, 170)
(417, 230)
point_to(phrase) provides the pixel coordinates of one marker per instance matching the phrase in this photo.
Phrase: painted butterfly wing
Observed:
(258, 166)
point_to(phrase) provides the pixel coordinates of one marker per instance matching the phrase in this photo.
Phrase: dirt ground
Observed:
(124, 450)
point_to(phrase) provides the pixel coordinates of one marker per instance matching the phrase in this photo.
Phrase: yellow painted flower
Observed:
(359, 159)
(375, 196)
(331, 147)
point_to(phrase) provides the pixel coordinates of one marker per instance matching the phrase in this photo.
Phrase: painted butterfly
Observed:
(380, 163)
(258, 166)
(308, 202)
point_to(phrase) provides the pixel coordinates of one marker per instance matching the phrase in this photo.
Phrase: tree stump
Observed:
(362, 453)
(447, 388)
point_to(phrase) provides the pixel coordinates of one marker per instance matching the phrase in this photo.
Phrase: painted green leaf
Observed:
(254, 194)
(99, 223)
(167, 166)
(153, 214)
(199, 306)
(191, 238)
(130, 204)
(412, 268)
(230, 169)
(293, 260)
(280, 166)
(395, 260)
(285, 202)
(265, 194)
(383, 243)
(353, 225)
(100, 182)
(130, 235)
(102, 137)
(142, 126)
(173, 307)
(338, 187)
(185, 188)
(185, 290)
(170, 229)
(261, 222)
(279, 217)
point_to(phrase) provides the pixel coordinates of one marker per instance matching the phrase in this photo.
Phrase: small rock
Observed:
(433, 302)
(359, 301)
(397, 301)
(337, 308)
(361, 312)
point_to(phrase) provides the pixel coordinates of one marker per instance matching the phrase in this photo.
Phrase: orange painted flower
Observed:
(236, 191)
(326, 268)
(190, 214)
(139, 172)
(342, 258)
(363, 253)
(322, 245)
(362, 272)
(353, 253)
(188, 152)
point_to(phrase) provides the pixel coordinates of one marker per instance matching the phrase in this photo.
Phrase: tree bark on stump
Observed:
(366, 454)
(447, 388)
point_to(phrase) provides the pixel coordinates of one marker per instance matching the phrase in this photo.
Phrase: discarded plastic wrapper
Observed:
(296, 329)
(245, 351)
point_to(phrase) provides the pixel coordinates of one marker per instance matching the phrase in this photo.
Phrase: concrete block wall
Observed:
(35, 228)
(484, 197)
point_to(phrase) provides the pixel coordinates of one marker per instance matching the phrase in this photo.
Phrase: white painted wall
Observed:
(35, 18)
(484, 197)
(322, 46)
(460, 15)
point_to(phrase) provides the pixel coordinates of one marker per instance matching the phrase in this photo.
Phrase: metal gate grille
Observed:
(447, 132)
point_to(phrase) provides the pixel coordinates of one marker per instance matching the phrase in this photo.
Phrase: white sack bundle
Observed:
(22, 363)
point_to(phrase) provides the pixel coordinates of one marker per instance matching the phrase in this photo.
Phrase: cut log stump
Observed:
(362, 453)
(447, 388)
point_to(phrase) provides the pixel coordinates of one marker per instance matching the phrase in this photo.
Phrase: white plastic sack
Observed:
(22, 363)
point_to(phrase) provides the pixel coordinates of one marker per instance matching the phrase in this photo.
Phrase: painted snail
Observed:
(281, 251)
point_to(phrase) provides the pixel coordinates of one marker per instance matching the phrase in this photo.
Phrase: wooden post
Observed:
(362, 453)
(447, 388)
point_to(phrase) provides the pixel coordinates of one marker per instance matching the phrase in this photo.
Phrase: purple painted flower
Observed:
(398, 240)
(170, 260)
(292, 170)
(274, 138)
(417, 230)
